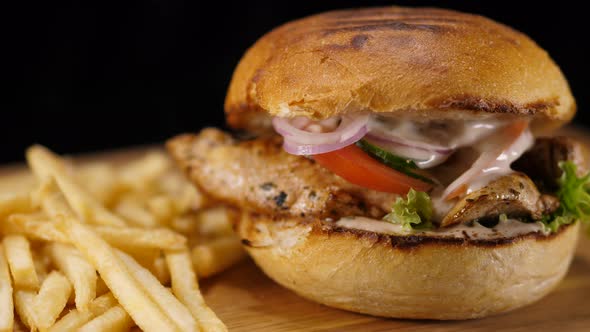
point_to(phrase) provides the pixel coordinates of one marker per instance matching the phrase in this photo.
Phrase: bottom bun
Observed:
(419, 277)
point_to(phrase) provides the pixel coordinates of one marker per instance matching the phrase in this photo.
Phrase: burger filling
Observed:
(376, 172)
(420, 160)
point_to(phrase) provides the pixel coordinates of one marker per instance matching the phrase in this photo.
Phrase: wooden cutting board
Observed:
(246, 300)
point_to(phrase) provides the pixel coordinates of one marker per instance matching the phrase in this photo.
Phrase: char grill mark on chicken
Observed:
(259, 175)
(514, 195)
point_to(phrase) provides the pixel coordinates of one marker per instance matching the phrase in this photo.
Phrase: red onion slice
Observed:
(311, 149)
(348, 128)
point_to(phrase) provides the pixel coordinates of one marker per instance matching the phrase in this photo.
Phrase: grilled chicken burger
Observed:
(391, 166)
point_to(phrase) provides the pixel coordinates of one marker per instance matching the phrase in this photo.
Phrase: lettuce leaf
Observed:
(574, 198)
(553, 222)
(413, 212)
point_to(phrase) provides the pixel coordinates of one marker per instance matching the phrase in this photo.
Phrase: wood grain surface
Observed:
(247, 300)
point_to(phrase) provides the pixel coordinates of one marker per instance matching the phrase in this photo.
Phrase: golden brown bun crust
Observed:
(407, 277)
(420, 61)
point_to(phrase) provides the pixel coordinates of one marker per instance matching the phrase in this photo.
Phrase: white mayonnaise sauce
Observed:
(430, 143)
(504, 229)
(501, 166)
(446, 134)
(425, 144)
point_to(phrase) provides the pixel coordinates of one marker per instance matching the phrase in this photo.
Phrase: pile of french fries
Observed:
(103, 247)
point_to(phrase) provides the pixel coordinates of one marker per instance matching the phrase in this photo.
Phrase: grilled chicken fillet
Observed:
(259, 175)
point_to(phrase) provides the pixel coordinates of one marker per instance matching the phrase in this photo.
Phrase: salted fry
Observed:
(76, 318)
(113, 320)
(41, 263)
(136, 214)
(101, 287)
(100, 180)
(79, 272)
(14, 203)
(51, 300)
(146, 314)
(186, 289)
(43, 229)
(6, 304)
(144, 256)
(23, 303)
(185, 224)
(108, 239)
(178, 313)
(45, 164)
(216, 256)
(214, 222)
(19, 326)
(160, 238)
(162, 208)
(20, 260)
(160, 270)
(32, 227)
(186, 197)
(52, 201)
(139, 173)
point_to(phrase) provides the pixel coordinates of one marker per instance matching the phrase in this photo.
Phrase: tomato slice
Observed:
(355, 166)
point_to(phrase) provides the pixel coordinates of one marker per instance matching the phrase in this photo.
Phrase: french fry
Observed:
(19, 326)
(99, 180)
(144, 256)
(216, 256)
(6, 304)
(41, 266)
(79, 272)
(139, 173)
(20, 260)
(160, 270)
(80, 215)
(146, 314)
(43, 229)
(76, 318)
(136, 214)
(113, 320)
(101, 287)
(186, 289)
(214, 222)
(17, 182)
(162, 207)
(14, 203)
(159, 238)
(23, 303)
(45, 164)
(52, 201)
(185, 224)
(51, 300)
(33, 227)
(186, 197)
(177, 312)
(190, 199)
(171, 183)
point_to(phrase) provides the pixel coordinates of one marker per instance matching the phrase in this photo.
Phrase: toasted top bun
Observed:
(420, 62)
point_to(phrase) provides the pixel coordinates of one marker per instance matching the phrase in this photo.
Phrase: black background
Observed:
(90, 75)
